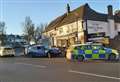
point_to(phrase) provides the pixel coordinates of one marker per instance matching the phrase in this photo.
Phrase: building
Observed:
(83, 25)
(15, 38)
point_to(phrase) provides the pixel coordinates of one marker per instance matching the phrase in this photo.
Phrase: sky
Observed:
(13, 12)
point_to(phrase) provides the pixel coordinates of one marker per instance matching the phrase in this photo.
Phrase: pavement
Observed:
(23, 69)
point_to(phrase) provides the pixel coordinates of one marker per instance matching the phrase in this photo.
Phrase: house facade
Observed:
(83, 25)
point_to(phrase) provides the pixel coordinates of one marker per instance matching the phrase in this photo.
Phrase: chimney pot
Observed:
(68, 8)
(110, 11)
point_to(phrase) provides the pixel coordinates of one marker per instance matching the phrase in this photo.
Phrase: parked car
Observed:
(6, 51)
(81, 52)
(37, 51)
(54, 51)
(63, 51)
(25, 47)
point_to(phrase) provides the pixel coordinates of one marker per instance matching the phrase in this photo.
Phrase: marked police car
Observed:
(81, 52)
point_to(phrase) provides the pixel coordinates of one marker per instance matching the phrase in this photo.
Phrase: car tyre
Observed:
(112, 57)
(80, 58)
(30, 55)
(12, 55)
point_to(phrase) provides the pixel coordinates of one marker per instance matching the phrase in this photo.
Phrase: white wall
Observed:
(118, 27)
(97, 26)
(66, 29)
(111, 26)
(70, 28)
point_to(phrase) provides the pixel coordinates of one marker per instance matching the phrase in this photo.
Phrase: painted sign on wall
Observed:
(96, 26)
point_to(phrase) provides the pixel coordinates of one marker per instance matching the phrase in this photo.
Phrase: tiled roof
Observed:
(66, 18)
(73, 16)
(82, 12)
(55, 22)
(91, 14)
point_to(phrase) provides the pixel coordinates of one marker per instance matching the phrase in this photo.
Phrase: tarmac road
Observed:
(21, 69)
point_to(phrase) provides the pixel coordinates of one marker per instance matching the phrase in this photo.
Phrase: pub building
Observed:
(82, 25)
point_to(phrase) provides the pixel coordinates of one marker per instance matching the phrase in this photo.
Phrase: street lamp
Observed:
(76, 14)
(52, 37)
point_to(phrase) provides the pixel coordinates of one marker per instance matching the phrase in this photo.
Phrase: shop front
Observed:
(71, 39)
(65, 41)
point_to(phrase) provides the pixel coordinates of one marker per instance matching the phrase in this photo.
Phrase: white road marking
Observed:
(40, 66)
(92, 74)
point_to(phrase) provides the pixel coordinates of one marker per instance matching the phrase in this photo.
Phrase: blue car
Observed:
(54, 51)
(37, 51)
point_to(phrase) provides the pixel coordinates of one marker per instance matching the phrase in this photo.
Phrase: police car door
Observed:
(88, 51)
(98, 52)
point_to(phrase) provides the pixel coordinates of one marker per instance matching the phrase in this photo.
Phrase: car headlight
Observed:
(115, 52)
(46, 51)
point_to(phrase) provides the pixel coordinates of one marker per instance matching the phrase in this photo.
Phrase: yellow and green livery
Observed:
(82, 52)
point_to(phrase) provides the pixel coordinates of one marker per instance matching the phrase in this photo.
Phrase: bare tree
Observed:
(2, 27)
(2, 33)
(117, 12)
(29, 29)
(38, 32)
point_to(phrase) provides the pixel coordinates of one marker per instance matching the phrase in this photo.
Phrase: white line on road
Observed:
(92, 74)
(40, 66)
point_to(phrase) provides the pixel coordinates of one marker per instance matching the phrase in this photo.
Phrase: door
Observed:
(41, 50)
(88, 51)
(98, 52)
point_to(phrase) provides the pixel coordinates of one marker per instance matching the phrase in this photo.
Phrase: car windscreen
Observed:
(40, 47)
(7, 48)
(97, 47)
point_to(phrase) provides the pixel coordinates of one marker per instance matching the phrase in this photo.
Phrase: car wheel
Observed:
(80, 58)
(30, 55)
(73, 57)
(112, 57)
(13, 55)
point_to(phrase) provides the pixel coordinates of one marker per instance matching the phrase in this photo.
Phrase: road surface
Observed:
(23, 69)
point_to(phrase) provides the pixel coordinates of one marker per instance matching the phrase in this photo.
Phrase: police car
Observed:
(81, 52)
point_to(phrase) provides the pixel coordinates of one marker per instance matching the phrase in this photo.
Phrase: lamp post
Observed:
(84, 30)
(97, 30)
(76, 14)
(53, 35)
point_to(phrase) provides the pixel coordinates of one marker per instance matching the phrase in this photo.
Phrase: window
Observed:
(60, 30)
(87, 47)
(79, 47)
(97, 47)
(40, 47)
(68, 29)
(72, 28)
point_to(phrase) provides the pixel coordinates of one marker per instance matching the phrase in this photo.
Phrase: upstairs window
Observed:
(60, 30)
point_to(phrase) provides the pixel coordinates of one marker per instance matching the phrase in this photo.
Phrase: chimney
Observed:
(68, 8)
(86, 4)
(110, 11)
(112, 32)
